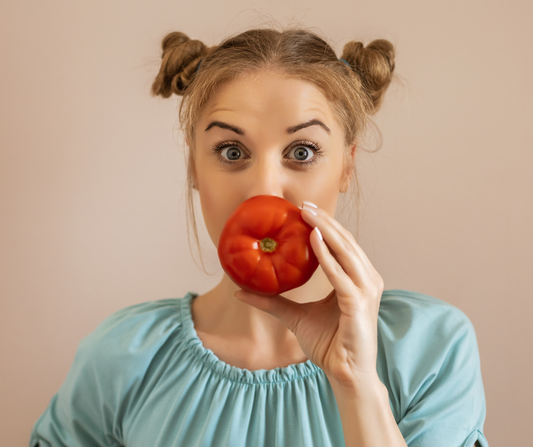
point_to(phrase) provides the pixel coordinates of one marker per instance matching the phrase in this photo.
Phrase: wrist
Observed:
(366, 413)
(359, 387)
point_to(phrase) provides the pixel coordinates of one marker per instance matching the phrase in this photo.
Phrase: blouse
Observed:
(143, 378)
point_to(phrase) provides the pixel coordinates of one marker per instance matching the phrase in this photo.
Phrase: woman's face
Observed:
(259, 136)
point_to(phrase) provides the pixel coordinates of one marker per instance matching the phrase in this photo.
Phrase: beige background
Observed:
(92, 180)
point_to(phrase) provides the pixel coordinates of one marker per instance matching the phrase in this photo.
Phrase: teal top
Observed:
(143, 378)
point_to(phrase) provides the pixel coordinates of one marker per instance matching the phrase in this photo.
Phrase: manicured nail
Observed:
(319, 233)
(311, 210)
(306, 202)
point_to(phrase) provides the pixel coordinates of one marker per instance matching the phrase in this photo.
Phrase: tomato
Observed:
(264, 246)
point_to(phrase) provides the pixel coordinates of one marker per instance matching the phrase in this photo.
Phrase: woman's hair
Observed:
(193, 70)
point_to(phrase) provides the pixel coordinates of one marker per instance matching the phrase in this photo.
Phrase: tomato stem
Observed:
(268, 245)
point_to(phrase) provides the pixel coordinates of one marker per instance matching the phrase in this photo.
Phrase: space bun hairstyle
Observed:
(180, 59)
(354, 84)
(374, 64)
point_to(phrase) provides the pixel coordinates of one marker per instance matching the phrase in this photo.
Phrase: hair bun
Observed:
(180, 58)
(374, 64)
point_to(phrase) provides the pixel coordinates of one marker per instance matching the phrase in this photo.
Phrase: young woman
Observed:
(337, 361)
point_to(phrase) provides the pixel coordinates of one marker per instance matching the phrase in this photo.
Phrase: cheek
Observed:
(208, 196)
(324, 192)
(324, 188)
(217, 203)
(212, 206)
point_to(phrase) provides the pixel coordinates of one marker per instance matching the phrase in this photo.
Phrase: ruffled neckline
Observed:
(208, 358)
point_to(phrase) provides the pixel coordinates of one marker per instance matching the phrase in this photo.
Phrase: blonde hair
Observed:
(354, 92)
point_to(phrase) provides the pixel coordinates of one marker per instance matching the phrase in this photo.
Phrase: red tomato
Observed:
(265, 248)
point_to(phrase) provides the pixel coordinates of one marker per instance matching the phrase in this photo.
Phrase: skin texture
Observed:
(263, 106)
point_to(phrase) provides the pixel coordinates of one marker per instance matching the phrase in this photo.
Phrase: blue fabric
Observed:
(143, 378)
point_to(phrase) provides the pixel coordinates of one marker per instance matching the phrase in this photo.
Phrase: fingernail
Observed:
(319, 233)
(308, 208)
(306, 202)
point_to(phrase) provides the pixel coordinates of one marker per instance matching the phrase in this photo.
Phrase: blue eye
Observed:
(301, 151)
(233, 152)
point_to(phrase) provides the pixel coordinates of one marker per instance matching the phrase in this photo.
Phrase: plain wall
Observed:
(92, 179)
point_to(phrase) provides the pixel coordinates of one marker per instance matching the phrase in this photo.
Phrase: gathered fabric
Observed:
(143, 377)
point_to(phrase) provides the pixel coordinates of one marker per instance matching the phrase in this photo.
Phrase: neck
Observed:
(219, 313)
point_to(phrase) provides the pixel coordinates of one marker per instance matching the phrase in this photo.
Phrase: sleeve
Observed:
(448, 407)
(82, 412)
(105, 380)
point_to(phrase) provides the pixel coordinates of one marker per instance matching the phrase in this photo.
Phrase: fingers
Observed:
(346, 235)
(340, 255)
(341, 280)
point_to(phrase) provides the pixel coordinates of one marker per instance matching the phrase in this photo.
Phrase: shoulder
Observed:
(424, 341)
(418, 319)
(427, 347)
(128, 339)
(139, 316)
(109, 371)
(429, 361)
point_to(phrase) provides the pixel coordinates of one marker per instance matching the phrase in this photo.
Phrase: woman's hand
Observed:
(339, 332)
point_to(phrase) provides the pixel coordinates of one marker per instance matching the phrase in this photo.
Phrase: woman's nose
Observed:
(265, 179)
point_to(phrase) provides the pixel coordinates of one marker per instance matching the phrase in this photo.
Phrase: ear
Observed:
(347, 175)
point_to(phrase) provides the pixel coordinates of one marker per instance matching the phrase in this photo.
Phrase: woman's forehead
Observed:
(268, 93)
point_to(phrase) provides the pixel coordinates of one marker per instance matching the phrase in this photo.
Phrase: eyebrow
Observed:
(290, 130)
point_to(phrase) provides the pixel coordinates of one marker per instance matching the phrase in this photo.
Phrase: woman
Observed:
(337, 361)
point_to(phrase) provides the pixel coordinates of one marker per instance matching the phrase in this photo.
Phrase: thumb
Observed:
(283, 309)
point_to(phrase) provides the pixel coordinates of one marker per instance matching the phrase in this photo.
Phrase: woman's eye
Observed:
(231, 152)
(301, 153)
